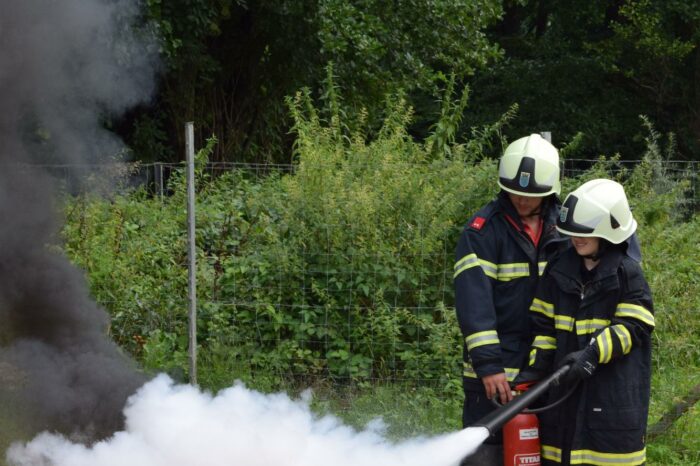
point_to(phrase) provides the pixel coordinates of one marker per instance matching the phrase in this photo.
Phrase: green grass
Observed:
(405, 411)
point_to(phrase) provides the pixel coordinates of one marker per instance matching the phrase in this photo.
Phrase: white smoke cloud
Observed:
(177, 425)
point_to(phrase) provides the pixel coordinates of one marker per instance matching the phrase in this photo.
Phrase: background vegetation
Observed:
(336, 274)
(572, 66)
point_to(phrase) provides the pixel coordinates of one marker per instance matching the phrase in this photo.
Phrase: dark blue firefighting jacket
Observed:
(605, 421)
(495, 275)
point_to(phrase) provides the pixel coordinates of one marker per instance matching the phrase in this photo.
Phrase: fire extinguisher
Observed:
(521, 438)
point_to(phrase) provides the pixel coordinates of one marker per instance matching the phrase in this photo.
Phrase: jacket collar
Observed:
(550, 208)
(550, 211)
(567, 270)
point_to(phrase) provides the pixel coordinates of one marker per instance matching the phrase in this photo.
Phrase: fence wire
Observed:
(154, 177)
(338, 311)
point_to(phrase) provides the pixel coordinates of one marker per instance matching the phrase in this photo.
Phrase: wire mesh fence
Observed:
(335, 305)
(154, 177)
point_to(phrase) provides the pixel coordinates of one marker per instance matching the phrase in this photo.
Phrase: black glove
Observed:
(583, 363)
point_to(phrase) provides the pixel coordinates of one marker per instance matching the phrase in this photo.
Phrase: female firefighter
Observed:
(593, 310)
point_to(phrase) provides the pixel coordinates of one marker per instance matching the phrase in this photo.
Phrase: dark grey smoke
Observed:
(66, 66)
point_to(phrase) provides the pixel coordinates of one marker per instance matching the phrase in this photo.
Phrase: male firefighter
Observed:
(501, 253)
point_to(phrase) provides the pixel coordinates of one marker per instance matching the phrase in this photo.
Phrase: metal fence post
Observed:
(158, 179)
(191, 252)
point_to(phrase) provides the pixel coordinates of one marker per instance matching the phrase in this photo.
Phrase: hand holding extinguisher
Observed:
(521, 437)
(525, 431)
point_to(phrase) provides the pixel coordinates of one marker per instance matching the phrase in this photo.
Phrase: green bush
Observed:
(340, 271)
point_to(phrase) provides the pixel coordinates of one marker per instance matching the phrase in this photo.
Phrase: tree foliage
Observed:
(571, 67)
(231, 63)
(594, 67)
(339, 269)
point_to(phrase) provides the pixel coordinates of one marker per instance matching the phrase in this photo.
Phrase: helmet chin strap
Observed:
(535, 213)
(538, 211)
(602, 247)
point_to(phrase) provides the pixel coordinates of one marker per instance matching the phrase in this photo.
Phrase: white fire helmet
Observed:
(530, 167)
(597, 208)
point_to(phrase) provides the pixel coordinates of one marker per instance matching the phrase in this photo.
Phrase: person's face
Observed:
(526, 206)
(585, 246)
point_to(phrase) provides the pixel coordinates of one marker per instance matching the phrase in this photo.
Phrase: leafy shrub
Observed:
(340, 270)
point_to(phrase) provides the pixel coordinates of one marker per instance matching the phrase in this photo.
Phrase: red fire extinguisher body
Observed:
(521, 441)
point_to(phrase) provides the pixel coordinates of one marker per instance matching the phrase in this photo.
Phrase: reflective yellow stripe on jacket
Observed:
(596, 457)
(562, 322)
(544, 342)
(542, 307)
(568, 323)
(502, 272)
(588, 326)
(635, 311)
(541, 342)
(608, 459)
(488, 337)
(608, 339)
(511, 372)
(551, 453)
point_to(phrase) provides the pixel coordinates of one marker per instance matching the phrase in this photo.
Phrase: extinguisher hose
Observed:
(555, 403)
(547, 382)
(497, 418)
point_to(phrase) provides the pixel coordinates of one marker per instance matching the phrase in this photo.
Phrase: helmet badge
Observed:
(563, 212)
(524, 179)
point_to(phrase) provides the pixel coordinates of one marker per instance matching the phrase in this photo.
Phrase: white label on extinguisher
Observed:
(526, 434)
(528, 459)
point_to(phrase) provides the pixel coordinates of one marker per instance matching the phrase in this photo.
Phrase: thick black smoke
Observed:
(66, 66)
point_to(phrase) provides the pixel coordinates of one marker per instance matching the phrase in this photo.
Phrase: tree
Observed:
(594, 67)
(230, 63)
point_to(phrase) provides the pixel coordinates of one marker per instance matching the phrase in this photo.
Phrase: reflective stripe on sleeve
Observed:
(540, 267)
(488, 337)
(502, 272)
(466, 262)
(468, 371)
(605, 346)
(545, 342)
(511, 373)
(507, 272)
(608, 459)
(562, 322)
(588, 326)
(489, 268)
(636, 312)
(542, 307)
(624, 336)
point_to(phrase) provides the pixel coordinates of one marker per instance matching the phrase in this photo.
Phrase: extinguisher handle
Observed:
(496, 418)
(522, 387)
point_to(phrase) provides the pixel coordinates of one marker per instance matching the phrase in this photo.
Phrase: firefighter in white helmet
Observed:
(500, 256)
(593, 311)
(530, 167)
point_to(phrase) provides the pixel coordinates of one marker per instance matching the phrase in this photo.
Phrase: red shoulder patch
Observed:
(478, 222)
